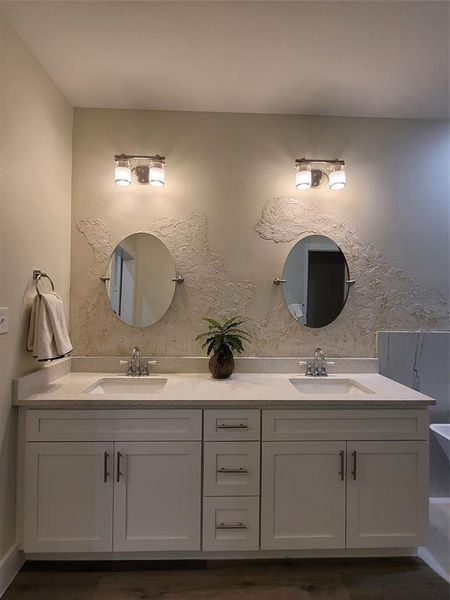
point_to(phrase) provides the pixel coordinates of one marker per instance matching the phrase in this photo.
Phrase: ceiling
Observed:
(362, 58)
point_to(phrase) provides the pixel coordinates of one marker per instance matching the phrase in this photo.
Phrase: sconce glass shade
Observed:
(122, 173)
(336, 178)
(157, 174)
(303, 177)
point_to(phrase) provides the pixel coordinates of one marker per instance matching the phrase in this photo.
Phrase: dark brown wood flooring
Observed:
(326, 579)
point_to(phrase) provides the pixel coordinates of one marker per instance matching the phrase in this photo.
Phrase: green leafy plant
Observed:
(224, 338)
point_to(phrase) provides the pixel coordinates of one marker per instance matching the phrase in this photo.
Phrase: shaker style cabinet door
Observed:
(303, 495)
(68, 497)
(157, 496)
(387, 497)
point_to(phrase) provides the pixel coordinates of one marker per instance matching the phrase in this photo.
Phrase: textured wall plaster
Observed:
(208, 289)
(384, 297)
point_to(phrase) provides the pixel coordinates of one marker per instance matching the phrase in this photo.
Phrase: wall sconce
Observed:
(146, 169)
(315, 172)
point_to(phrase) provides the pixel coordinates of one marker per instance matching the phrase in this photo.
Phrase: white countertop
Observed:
(197, 390)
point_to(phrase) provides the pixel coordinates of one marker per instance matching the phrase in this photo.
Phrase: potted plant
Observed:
(221, 341)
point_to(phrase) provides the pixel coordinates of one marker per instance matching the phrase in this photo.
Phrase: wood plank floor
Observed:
(334, 579)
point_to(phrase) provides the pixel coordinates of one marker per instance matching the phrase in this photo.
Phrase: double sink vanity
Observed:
(269, 463)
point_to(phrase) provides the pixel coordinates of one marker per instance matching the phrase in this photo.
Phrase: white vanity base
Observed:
(161, 484)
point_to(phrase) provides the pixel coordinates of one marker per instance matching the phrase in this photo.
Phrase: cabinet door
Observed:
(387, 494)
(68, 497)
(157, 496)
(303, 495)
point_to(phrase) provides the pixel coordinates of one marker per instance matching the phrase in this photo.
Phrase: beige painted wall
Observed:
(230, 214)
(35, 193)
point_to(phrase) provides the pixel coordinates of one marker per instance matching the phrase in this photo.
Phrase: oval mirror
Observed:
(316, 278)
(139, 279)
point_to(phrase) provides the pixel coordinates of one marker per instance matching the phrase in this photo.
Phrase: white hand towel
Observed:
(48, 337)
(296, 310)
(34, 318)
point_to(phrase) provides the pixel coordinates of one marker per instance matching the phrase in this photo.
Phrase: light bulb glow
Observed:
(303, 178)
(122, 174)
(337, 178)
(157, 174)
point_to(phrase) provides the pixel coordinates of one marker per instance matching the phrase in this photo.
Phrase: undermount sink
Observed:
(127, 385)
(347, 387)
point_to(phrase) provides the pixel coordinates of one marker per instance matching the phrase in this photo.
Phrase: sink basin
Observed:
(346, 387)
(127, 385)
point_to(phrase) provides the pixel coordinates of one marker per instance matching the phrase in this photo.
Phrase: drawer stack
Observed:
(231, 480)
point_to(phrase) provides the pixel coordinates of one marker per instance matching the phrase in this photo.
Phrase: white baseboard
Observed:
(10, 565)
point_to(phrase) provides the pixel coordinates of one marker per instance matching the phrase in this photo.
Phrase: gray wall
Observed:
(421, 361)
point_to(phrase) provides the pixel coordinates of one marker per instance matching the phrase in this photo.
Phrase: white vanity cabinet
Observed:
(223, 480)
(344, 493)
(76, 494)
(231, 479)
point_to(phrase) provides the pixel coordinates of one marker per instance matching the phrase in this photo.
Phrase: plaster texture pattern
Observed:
(384, 297)
(208, 288)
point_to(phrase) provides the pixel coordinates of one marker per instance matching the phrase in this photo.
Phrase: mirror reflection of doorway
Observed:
(123, 284)
(326, 286)
(316, 278)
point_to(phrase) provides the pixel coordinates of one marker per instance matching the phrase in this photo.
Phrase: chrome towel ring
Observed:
(37, 276)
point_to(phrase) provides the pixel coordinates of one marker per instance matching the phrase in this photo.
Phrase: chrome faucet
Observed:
(135, 360)
(137, 367)
(317, 367)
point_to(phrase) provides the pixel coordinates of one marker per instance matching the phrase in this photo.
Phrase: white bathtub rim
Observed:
(442, 429)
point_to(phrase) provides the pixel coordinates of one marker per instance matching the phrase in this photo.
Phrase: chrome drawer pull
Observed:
(238, 526)
(225, 470)
(240, 426)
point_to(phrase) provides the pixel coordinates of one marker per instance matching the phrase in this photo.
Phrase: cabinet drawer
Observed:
(117, 425)
(232, 425)
(231, 469)
(291, 425)
(230, 524)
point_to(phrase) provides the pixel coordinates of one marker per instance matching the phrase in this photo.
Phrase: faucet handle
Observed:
(145, 367)
(128, 365)
(309, 366)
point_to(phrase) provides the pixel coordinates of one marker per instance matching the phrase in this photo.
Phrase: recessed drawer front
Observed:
(291, 425)
(117, 425)
(232, 425)
(231, 469)
(230, 523)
